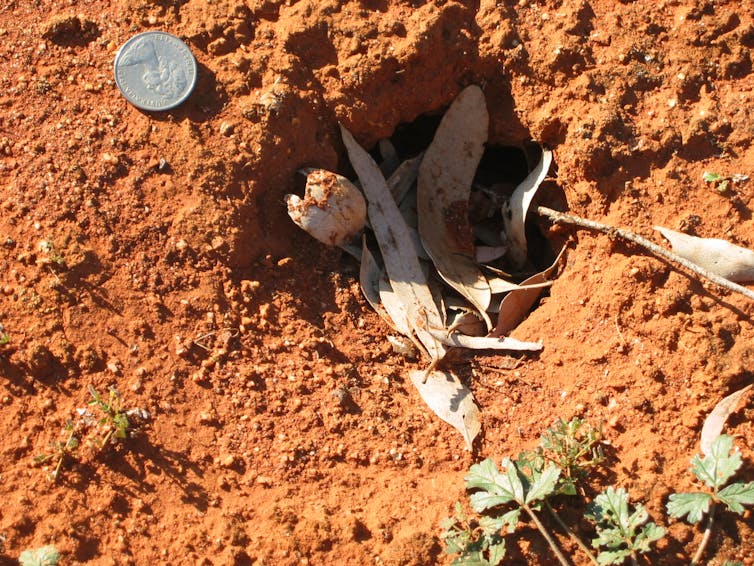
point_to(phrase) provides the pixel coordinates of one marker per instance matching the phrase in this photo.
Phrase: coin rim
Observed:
(183, 98)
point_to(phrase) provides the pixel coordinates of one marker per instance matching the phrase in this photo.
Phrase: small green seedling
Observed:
(42, 556)
(114, 420)
(714, 470)
(53, 255)
(718, 182)
(575, 447)
(61, 451)
(624, 533)
(4, 338)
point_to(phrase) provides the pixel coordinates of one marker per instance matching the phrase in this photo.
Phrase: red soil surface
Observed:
(152, 253)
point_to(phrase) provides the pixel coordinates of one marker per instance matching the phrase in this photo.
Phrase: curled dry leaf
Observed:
(450, 400)
(717, 256)
(516, 304)
(333, 210)
(402, 265)
(515, 210)
(715, 421)
(457, 340)
(445, 177)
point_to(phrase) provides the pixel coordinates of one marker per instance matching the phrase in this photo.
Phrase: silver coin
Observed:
(155, 71)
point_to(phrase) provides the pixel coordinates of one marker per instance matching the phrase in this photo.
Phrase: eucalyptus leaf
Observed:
(515, 210)
(401, 262)
(445, 177)
(369, 280)
(450, 400)
(715, 421)
(516, 304)
(717, 256)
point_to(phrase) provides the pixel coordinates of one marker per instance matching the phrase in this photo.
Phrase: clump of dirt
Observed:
(152, 253)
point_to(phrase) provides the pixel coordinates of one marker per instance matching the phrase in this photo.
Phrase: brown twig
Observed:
(705, 538)
(562, 218)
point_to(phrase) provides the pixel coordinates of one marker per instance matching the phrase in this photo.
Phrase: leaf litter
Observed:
(721, 257)
(428, 283)
(715, 421)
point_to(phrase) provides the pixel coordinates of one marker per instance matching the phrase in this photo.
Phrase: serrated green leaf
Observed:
(482, 500)
(613, 556)
(611, 506)
(650, 533)
(543, 485)
(719, 465)
(471, 558)
(512, 482)
(486, 476)
(511, 519)
(497, 553)
(611, 537)
(637, 518)
(695, 505)
(491, 525)
(736, 495)
(42, 556)
(497, 525)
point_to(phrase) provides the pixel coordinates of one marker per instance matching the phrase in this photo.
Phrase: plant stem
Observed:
(571, 534)
(562, 218)
(545, 533)
(705, 538)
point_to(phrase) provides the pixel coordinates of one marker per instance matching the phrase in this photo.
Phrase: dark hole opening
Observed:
(500, 171)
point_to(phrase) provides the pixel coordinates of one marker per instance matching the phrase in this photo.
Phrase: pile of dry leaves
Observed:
(433, 248)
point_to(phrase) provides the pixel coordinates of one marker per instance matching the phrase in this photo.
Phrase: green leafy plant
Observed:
(114, 420)
(714, 470)
(524, 492)
(475, 542)
(61, 451)
(42, 556)
(623, 532)
(565, 455)
(4, 338)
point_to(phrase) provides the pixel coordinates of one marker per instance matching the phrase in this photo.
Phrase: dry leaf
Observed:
(717, 256)
(333, 210)
(395, 308)
(369, 279)
(499, 285)
(403, 178)
(515, 210)
(715, 421)
(466, 321)
(457, 340)
(516, 304)
(444, 186)
(450, 400)
(401, 262)
(487, 254)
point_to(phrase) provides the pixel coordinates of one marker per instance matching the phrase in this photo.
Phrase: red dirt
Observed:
(283, 428)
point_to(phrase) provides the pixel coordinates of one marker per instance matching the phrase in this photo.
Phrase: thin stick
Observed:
(705, 537)
(561, 218)
(570, 533)
(545, 533)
